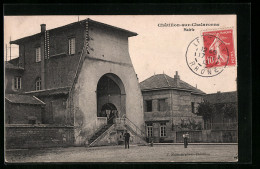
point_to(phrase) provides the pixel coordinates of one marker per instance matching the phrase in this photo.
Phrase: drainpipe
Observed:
(43, 29)
(171, 110)
(24, 56)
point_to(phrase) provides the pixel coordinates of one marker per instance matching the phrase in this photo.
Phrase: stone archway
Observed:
(110, 92)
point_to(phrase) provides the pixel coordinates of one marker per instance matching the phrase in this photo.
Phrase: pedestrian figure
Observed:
(127, 136)
(151, 141)
(185, 138)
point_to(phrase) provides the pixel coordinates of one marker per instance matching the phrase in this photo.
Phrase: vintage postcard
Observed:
(121, 88)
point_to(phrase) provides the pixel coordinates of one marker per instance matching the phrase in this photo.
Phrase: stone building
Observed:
(13, 77)
(23, 109)
(170, 106)
(83, 74)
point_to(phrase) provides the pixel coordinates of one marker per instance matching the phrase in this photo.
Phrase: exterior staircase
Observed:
(99, 133)
(132, 127)
(118, 124)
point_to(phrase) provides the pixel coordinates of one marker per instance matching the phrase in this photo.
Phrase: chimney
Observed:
(177, 79)
(43, 27)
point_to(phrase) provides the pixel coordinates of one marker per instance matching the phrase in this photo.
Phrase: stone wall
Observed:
(55, 109)
(37, 136)
(155, 96)
(209, 136)
(20, 113)
(178, 101)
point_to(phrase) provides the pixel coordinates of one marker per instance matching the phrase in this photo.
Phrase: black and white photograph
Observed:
(120, 88)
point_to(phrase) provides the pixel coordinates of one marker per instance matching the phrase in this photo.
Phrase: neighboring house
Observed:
(84, 75)
(169, 106)
(226, 110)
(13, 78)
(23, 109)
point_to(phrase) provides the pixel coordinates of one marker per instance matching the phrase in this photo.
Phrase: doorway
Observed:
(109, 110)
(110, 97)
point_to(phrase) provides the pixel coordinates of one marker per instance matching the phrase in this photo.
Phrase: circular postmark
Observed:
(207, 55)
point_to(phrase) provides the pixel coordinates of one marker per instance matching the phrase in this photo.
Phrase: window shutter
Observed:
(13, 83)
(72, 46)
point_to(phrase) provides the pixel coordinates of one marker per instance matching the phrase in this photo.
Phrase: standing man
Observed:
(185, 137)
(127, 136)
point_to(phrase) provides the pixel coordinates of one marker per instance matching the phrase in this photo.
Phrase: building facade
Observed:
(83, 74)
(170, 105)
(23, 109)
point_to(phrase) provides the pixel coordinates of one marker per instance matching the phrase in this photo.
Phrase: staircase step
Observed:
(99, 133)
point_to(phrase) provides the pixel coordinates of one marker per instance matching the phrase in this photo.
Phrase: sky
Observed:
(155, 50)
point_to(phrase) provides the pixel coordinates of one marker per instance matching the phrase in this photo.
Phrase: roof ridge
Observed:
(23, 99)
(74, 23)
(167, 80)
(189, 85)
(161, 84)
(222, 92)
(29, 92)
(63, 26)
(148, 78)
(39, 100)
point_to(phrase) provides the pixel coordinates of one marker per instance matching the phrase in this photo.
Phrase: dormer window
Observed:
(71, 46)
(38, 54)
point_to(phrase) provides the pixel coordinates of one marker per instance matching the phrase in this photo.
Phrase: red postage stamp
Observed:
(219, 48)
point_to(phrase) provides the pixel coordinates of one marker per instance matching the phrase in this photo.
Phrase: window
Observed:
(162, 105)
(9, 119)
(32, 120)
(38, 84)
(163, 129)
(17, 82)
(38, 54)
(192, 107)
(149, 105)
(150, 130)
(71, 46)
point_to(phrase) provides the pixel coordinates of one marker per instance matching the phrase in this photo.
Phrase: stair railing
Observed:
(136, 129)
(100, 136)
(111, 118)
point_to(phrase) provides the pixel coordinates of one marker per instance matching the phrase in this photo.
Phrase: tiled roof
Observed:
(225, 97)
(74, 23)
(11, 66)
(14, 61)
(163, 81)
(47, 92)
(23, 99)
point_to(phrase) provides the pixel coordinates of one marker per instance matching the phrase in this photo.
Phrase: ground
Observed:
(157, 153)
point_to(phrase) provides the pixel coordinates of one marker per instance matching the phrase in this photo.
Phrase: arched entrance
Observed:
(110, 97)
(109, 110)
